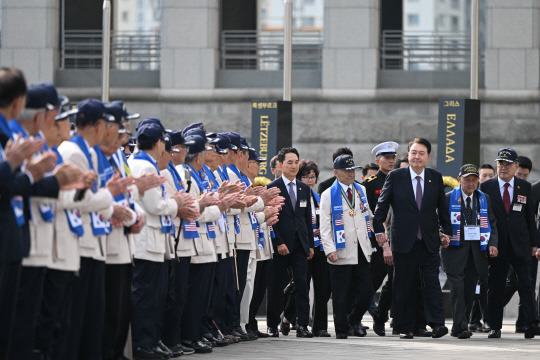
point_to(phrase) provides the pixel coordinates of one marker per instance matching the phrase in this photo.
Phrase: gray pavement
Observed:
(510, 346)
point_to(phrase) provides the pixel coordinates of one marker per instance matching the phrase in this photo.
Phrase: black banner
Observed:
(271, 130)
(459, 135)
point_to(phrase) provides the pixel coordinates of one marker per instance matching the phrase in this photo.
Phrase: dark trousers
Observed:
(117, 309)
(55, 311)
(260, 284)
(28, 303)
(462, 265)
(201, 277)
(342, 276)
(318, 271)
(385, 297)
(219, 297)
(9, 284)
(479, 306)
(406, 267)
(81, 338)
(511, 288)
(148, 299)
(227, 289)
(297, 261)
(242, 261)
(172, 320)
(498, 270)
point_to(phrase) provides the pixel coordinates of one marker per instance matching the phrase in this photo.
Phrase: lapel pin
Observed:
(518, 186)
(429, 180)
(299, 188)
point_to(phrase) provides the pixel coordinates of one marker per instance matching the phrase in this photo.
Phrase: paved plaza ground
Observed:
(510, 346)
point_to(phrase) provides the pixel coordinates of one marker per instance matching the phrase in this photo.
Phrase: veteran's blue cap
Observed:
(44, 96)
(345, 162)
(507, 154)
(197, 144)
(254, 156)
(150, 133)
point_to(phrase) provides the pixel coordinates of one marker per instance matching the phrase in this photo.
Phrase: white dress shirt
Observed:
(510, 188)
(413, 179)
(286, 182)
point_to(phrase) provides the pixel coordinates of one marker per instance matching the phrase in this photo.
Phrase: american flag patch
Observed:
(191, 226)
(211, 227)
(456, 237)
(338, 220)
(483, 222)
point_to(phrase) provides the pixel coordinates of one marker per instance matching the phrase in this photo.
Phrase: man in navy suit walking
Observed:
(293, 244)
(421, 225)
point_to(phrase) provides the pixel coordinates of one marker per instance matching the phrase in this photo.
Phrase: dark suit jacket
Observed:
(536, 195)
(295, 224)
(433, 215)
(15, 240)
(517, 228)
(493, 239)
(325, 185)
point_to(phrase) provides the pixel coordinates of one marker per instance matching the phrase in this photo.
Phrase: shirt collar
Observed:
(465, 196)
(344, 187)
(502, 182)
(287, 181)
(414, 175)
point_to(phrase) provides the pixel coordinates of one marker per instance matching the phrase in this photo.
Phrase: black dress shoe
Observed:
(232, 339)
(529, 332)
(198, 346)
(464, 334)
(358, 330)
(341, 336)
(186, 350)
(303, 332)
(241, 335)
(241, 331)
(273, 332)
(261, 334)
(176, 351)
(406, 335)
(378, 328)
(475, 327)
(494, 334)
(284, 327)
(520, 329)
(216, 341)
(162, 350)
(364, 326)
(321, 333)
(207, 343)
(142, 353)
(439, 331)
(422, 332)
(486, 328)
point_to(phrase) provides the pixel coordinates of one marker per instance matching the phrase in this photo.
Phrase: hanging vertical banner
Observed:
(271, 130)
(459, 135)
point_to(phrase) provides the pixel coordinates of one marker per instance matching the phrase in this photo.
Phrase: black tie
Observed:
(468, 212)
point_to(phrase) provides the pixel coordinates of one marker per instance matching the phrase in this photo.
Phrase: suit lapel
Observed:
(516, 190)
(427, 186)
(409, 185)
(285, 192)
(498, 197)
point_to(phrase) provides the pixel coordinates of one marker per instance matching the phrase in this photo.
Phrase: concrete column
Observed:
(512, 44)
(189, 44)
(351, 41)
(30, 37)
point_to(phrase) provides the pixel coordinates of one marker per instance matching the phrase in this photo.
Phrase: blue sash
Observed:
(190, 229)
(167, 225)
(223, 173)
(336, 200)
(73, 216)
(316, 239)
(203, 188)
(456, 216)
(247, 182)
(121, 166)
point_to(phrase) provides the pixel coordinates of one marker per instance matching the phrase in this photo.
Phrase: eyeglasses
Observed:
(309, 177)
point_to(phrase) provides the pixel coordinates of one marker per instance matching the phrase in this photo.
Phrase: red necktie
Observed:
(349, 194)
(506, 198)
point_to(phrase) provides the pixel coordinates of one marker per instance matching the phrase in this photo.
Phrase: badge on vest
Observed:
(303, 203)
(517, 207)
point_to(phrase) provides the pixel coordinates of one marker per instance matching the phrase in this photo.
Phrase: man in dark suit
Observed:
(293, 244)
(518, 238)
(416, 195)
(474, 232)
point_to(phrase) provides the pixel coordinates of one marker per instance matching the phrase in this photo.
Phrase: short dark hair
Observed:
(403, 159)
(273, 162)
(286, 150)
(524, 162)
(305, 168)
(422, 141)
(487, 166)
(12, 85)
(147, 144)
(369, 166)
(341, 151)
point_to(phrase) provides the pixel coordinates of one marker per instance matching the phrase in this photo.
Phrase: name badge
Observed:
(471, 233)
(303, 203)
(517, 207)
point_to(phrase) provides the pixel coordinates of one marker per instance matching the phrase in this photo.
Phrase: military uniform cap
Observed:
(385, 148)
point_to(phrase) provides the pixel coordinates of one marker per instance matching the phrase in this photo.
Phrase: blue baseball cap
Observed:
(151, 120)
(118, 110)
(236, 140)
(44, 96)
(254, 156)
(151, 133)
(197, 144)
(345, 162)
(507, 154)
(177, 138)
(89, 111)
(200, 132)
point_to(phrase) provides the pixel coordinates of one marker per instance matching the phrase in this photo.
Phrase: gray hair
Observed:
(191, 157)
(28, 114)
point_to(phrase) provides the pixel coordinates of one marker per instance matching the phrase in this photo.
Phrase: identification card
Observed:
(517, 207)
(303, 203)
(471, 233)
